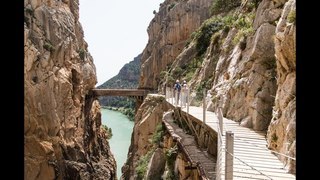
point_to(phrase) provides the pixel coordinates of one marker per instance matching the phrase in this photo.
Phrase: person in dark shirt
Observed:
(177, 90)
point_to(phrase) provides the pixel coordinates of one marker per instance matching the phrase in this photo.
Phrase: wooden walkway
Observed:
(198, 157)
(252, 158)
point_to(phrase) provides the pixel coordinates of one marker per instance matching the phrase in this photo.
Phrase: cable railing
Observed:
(220, 148)
(228, 164)
(275, 152)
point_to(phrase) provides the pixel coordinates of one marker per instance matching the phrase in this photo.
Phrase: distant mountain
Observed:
(127, 78)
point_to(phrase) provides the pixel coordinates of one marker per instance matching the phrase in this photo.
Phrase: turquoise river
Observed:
(121, 139)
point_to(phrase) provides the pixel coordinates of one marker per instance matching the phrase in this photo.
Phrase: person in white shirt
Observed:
(184, 93)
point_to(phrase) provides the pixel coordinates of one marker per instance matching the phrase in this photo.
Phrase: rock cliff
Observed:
(63, 137)
(282, 130)
(148, 116)
(242, 54)
(163, 145)
(168, 32)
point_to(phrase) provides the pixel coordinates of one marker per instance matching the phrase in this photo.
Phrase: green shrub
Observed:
(163, 74)
(244, 21)
(292, 16)
(171, 155)
(177, 72)
(203, 35)
(48, 46)
(130, 113)
(142, 166)
(190, 68)
(170, 80)
(27, 21)
(229, 20)
(82, 53)
(157, 136)
(219, 6)
(189, 75)
(242, 33)
(274, 137)
(29, 11)
(244, 26)
(199, 90)
(251, 4)
(108, 130)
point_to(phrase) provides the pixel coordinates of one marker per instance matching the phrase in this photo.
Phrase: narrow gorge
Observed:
(240, 53)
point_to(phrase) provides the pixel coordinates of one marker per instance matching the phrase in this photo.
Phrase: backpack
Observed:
(178, 86)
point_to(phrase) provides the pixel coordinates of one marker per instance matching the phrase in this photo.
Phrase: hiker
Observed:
(184, 93)
(177, 90)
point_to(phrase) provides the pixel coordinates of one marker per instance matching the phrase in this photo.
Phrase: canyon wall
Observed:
(168, 32)
(148, 117)
(242, 54)
(282, 130)
(63, 138)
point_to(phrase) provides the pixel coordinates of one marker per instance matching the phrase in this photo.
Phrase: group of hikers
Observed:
(181, 90)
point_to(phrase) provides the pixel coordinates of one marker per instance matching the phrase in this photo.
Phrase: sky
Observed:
(116, 32)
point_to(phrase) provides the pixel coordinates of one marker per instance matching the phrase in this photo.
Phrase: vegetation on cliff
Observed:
(143, 161)
(107, 130)
(212, 33)
(242, 53)
(171, 155)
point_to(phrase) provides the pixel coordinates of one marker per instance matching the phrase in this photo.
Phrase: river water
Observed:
(121, 139)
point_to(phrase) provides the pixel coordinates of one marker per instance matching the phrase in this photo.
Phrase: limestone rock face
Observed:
(282, 130)
(156, 165)
(63, 138)
(168, 32)
(241, 77)
(252, 79)
(245, 80)
(148, 116)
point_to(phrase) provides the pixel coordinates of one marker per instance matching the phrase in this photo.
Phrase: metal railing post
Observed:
(172, 96)
(229, 156)
(204, 106)
(220, 119)
(166, 93)
(219, 157)
(180, 97)
(175, 97)
(188, 91)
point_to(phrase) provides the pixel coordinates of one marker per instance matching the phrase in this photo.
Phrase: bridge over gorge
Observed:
(241, 152)
(137, 94)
